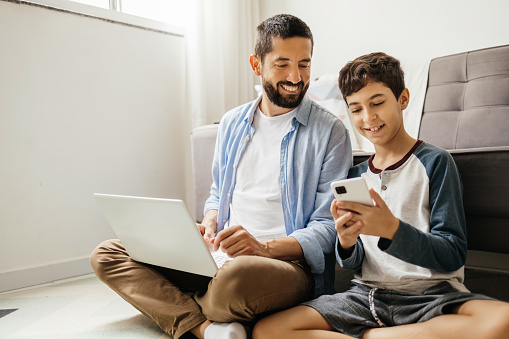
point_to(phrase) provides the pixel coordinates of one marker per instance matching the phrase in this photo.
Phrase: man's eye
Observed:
(304, 66)
(280, 66)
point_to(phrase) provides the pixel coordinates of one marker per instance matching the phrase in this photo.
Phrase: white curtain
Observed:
(220, 37)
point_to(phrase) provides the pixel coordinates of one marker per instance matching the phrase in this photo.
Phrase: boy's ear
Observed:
(255, 64)
(404, 99)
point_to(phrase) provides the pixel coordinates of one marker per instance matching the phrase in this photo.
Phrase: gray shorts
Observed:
(362, 307)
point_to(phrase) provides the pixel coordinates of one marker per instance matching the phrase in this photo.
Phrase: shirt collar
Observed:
(301, 115)
(397, 164)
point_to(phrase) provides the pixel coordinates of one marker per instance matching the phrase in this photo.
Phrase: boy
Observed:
(409, 249)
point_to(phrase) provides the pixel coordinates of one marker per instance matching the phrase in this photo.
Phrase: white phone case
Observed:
(355, 190)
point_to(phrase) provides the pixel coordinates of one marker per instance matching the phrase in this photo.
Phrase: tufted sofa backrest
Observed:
(467, 100)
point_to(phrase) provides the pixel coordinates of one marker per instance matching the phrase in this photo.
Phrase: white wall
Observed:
(85, 106)
(411, 31)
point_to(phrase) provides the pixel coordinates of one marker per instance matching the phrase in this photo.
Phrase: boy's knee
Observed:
(264, 329)
(261, 330)
(498, 325)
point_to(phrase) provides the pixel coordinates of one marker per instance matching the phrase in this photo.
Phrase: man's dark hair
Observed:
(375, 67)
(279, 26)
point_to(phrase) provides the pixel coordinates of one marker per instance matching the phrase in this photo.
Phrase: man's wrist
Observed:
(286, 248)
(210, 220)
(266, 249)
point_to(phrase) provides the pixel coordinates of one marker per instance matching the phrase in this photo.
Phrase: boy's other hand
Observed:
(347, 228)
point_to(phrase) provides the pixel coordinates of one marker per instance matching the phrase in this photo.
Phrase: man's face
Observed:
(286, 70)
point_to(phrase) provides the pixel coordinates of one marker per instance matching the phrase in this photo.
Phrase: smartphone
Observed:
(355, 190)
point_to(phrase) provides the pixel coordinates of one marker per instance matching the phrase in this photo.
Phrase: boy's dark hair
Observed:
(279, 26)
(376, 67)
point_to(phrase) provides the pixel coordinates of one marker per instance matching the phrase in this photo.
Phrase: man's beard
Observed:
(286, 101)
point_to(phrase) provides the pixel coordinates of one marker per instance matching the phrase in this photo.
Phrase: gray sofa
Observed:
(466, 111)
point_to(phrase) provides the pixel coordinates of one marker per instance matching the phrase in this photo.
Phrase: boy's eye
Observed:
(355, 111)
(378, 103)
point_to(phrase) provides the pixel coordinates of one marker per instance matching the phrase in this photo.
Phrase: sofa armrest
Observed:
(203, 141)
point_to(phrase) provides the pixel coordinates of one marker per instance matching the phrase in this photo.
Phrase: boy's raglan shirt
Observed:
(424, 192)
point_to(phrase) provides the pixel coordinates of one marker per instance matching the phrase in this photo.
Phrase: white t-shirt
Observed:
(256, 201)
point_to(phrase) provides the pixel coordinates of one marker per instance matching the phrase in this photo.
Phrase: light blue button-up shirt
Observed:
(315, 152)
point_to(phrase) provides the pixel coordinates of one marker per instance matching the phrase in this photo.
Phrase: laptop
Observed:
(160, 232)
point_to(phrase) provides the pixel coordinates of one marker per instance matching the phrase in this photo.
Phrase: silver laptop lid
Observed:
(158, 231)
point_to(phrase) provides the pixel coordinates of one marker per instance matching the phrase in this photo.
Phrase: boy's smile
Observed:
(377, 114)
(374, 129)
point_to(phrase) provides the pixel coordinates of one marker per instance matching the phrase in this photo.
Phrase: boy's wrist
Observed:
(343, 252)
(393, 229)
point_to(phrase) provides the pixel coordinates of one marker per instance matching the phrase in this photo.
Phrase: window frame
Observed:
(107, 15)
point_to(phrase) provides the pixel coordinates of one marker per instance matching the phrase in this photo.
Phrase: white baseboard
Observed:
(32, 276)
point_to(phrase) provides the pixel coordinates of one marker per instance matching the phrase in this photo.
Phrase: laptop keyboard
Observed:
(220, 258)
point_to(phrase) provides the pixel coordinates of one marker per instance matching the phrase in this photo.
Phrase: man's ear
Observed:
(255, 62)
(404, 98)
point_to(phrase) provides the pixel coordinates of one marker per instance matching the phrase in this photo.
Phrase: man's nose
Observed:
(294, 75)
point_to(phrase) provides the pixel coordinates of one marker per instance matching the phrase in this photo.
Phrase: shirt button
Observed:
(228, 195)
(247, 138)
(384, 188)
(224, 220)
(234, 165)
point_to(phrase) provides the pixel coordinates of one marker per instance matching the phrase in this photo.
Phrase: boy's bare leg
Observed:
(298, 322)
(474, 319)
(199, 331)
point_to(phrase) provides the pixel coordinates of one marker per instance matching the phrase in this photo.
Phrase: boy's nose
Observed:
(369, 115)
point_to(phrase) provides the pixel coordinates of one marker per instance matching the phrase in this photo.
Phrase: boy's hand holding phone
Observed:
(354, 212)
(348, 230)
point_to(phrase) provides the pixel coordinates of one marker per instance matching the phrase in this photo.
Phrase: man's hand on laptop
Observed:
(206, 232)
(236, 241)
(208, 226)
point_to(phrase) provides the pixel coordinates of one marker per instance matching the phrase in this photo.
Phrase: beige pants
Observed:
(243, 289)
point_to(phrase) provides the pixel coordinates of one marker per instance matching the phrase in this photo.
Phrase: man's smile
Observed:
(290, 87)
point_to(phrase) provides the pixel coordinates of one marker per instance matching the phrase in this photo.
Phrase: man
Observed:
(274, 161)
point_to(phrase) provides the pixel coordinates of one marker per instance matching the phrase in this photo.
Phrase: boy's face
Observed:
(377, 114)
